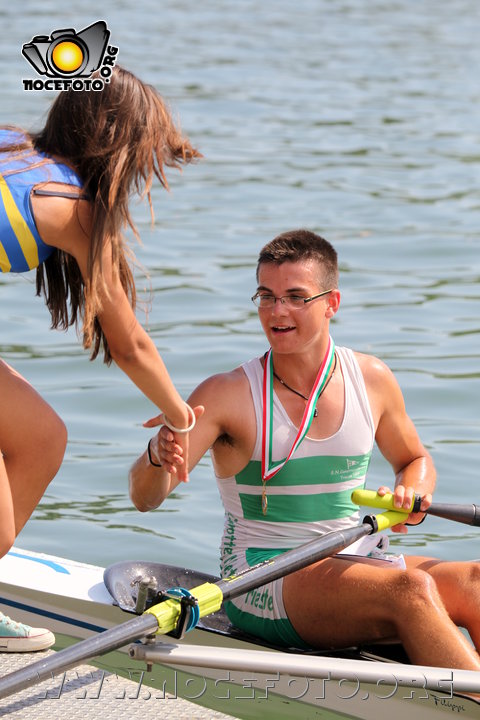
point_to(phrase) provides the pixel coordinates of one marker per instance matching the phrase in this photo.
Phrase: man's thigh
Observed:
(338, 603)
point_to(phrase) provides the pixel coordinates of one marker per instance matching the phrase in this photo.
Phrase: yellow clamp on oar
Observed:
(370, 498)
(208, 596)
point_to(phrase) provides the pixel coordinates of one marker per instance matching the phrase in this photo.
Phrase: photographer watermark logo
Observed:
(69, 58)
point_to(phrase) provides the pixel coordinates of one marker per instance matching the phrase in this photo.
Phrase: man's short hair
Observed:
(297, 245)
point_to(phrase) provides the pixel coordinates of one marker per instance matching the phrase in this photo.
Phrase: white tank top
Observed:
(310, 495)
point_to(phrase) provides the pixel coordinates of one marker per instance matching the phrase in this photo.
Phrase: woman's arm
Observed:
(65, 224)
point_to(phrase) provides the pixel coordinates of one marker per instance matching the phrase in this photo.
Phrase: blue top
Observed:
(21, 247)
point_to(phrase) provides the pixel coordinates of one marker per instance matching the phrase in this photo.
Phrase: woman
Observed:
(64, 194)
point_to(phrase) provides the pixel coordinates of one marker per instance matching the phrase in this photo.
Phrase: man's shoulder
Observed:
(369, 363)
(376, 373)
(229, 411)
(222, 385)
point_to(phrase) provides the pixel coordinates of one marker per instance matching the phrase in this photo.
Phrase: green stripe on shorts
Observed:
(278, 632)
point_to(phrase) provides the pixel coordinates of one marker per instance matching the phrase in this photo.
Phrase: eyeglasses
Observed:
(292, 302)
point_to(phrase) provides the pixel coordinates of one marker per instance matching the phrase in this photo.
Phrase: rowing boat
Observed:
(216, 665)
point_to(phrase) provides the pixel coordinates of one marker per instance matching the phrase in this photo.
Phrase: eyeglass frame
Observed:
(284, 298)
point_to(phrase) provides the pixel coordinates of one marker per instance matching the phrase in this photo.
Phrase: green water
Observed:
(359, 120)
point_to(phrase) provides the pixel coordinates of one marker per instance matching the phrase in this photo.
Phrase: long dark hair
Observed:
(117, 140)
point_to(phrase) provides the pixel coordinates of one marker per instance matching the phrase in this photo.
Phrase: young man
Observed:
(290, 435)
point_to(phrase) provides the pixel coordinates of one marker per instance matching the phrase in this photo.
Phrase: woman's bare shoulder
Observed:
(62, 222)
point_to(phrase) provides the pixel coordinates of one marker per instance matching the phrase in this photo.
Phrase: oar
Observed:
(468, 513)
(164, 617)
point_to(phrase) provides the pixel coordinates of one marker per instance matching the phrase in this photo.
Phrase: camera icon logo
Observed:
(66, 53)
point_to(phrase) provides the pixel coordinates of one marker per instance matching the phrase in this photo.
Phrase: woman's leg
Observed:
(32, 441)
(32, 445)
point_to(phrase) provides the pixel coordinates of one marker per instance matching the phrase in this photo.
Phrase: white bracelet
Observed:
(174, 429)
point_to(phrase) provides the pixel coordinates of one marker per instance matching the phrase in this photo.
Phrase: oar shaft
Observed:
(100, 644)
(292, 560)
(469, 514)
(298, 558)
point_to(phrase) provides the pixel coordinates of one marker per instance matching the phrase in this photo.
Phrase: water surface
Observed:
(357, 120)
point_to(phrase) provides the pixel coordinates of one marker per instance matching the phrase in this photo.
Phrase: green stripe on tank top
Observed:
(299, 508)
(309, 471)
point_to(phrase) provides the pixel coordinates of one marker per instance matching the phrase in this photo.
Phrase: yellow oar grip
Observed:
(388, 519)
(372, 499)
(209, 597)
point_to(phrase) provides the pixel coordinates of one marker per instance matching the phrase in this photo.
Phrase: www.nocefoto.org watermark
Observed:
(68, 59)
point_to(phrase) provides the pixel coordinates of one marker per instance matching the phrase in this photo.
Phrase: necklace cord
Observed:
(315, 414)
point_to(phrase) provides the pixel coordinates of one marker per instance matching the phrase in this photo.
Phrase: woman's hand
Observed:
(171, 448)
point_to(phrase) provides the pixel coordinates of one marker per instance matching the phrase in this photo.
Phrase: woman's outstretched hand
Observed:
(171, 448)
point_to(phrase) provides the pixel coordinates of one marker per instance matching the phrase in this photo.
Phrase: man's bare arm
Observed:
(212, 402)
(397, 437)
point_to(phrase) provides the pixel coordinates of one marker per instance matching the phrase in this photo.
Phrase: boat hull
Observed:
(71, 599)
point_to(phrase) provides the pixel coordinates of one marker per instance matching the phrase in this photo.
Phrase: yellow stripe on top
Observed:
(5, 264)
(22, 232)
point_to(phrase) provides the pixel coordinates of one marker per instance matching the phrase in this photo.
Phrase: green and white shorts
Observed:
(261, 612)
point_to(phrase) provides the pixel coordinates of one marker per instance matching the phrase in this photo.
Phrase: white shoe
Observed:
(17, 637)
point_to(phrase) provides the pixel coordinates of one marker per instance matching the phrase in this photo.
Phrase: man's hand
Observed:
(402, 500)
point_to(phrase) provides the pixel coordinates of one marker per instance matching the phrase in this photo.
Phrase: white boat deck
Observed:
(88, 693)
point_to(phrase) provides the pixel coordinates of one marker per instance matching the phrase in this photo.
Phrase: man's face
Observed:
(290, 329)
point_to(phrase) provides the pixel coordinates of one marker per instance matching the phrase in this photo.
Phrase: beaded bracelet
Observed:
(181, 430)
(150, 456)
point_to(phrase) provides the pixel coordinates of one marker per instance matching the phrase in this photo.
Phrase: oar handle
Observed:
(469, 514)
(388, 519)
(370, 498)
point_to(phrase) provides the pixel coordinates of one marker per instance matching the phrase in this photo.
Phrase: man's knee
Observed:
(414, 588)
(474, 573)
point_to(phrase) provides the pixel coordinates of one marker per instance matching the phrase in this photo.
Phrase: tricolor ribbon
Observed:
(269, 469)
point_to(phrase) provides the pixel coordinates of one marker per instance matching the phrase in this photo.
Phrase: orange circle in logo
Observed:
(67, 56)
